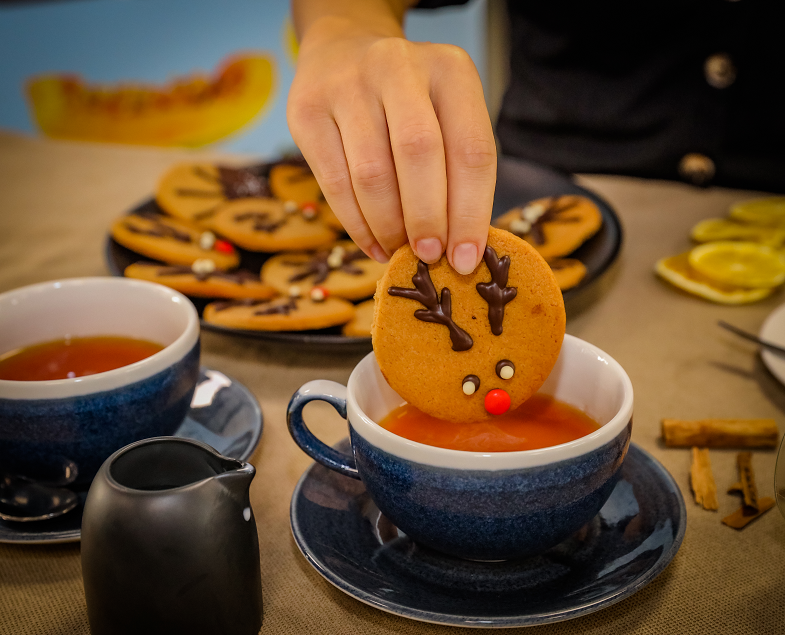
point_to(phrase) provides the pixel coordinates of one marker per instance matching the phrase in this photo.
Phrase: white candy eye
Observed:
(295, 291)
(290, 207)
(470, 384)
(206, 240)
(203, 266)
(505, 369)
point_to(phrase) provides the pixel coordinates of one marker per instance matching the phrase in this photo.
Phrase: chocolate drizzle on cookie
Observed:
(159, 230)
(496, 292)
(250, 182)
(552, 213)
(261, 221)
(237, 277)
(243, 183)
(320, 267)
(439, 309)
(279, 309)
(230, 304)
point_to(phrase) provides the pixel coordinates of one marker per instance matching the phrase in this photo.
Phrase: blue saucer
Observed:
(636, 534)
(223, 414)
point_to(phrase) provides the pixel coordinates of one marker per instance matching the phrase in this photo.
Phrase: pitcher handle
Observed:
(335, 395)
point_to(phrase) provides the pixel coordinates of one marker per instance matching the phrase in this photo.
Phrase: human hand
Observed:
(398, 135)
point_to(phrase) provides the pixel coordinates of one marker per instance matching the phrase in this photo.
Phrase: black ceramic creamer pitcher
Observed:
(169, 543)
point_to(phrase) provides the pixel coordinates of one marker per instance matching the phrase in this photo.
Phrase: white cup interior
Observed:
(584, 377)
(88, 307)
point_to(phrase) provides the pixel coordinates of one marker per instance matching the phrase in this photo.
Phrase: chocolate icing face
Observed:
(439, 309)
(496, 292)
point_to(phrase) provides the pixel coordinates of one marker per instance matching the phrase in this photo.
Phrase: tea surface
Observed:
(539, 422)
(73, 357)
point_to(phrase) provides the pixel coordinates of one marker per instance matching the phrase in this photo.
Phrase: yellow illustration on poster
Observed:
(191, 111)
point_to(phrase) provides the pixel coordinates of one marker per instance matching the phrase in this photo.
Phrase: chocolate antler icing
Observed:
(439, 309)
(496, 292)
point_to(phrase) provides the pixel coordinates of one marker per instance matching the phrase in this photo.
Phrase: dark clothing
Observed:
(632, 86)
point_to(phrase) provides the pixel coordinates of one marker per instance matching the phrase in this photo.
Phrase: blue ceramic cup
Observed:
(62, 430)
(481, 506)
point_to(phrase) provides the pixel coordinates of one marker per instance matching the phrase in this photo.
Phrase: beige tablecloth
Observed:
(57, 201)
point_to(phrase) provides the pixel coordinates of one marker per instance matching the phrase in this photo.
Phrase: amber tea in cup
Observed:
(540, 422)
(72, 357)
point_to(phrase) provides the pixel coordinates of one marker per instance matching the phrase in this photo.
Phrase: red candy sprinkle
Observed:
(223, 246)
(310, 205)
(497, 402)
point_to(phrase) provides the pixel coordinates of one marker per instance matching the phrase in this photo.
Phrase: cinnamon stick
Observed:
(703, 487)
(720, 433)
(752, 506)
(746, 485)
(738, 520)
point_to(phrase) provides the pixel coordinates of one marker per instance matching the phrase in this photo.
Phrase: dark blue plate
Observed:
(636, 534)
(223, 414)
(517, 182)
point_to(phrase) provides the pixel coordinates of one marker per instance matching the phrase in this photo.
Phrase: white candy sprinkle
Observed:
(506, 372)
(207, 240)
(532, 212)
(469, 388)
(202, 266)
(520, 227)
(334, 260)
(295, 291)
(290, 207)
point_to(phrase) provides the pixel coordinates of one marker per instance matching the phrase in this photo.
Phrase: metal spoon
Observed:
(23, 500)
(753, 338)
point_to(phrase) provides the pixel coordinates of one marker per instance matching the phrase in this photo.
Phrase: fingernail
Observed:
(429, 249)
(378, 253)
(464, 258)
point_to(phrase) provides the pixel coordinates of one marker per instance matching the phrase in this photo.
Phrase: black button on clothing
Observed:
(719, 70)
(697, 168)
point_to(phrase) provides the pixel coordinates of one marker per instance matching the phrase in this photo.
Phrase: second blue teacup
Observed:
(481, 506)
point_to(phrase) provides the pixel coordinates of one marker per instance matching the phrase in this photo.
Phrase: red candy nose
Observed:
(497, 402)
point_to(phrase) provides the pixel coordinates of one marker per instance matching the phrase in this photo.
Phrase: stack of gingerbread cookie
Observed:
(208, 216)
(556, 226)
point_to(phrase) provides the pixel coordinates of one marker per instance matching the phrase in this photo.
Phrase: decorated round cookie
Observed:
(568, 272)
(462, 348)
(555, 226)
(173, 242)
(269, 225)
(343, 271)
(294, 181)
(193, 191)
(360, 324)
(280, 314)
(202, 281)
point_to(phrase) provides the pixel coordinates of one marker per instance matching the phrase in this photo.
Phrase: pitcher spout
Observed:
(237, 479)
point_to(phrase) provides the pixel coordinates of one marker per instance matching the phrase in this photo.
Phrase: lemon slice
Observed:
(723, 229)
(760, 211)
(677, 271)
(740, 264)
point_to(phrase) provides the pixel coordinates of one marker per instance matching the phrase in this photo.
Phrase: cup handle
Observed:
(335, 395)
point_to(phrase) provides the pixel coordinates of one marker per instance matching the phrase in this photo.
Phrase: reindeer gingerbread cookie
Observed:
(463, 348)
